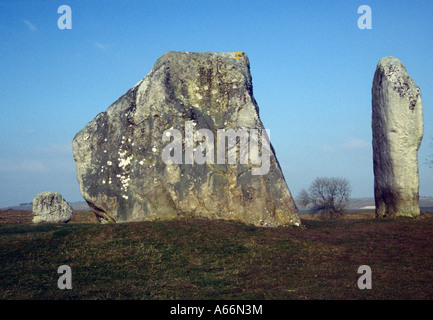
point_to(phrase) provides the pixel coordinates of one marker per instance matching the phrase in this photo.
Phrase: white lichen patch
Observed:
(109, 163)
(124, 180)
(172, 173)
(123, 162)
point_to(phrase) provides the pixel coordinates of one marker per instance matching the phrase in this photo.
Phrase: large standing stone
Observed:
(119, 155)
(51, 207)
(397, 124)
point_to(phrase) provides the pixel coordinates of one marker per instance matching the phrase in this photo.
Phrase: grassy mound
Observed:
(202, 259)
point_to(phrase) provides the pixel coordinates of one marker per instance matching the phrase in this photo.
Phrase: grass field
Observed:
(202, 259)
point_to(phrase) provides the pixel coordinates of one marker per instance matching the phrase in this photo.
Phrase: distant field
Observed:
(355, 204)
(361, 204)
(202, 259)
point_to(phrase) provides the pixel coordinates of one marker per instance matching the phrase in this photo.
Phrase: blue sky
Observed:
(312, 71)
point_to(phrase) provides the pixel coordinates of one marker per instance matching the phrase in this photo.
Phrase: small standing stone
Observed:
(51, 207)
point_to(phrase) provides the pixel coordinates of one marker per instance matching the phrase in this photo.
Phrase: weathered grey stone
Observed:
(51, 207)
(119, 154)
(397, 124)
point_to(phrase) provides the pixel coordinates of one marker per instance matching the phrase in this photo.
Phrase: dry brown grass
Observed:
(204, 259)
(26, 216)
(357, 215)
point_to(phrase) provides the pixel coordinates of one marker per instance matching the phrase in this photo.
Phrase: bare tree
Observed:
(327, 196)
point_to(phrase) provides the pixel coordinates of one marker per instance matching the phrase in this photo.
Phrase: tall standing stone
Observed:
(397, 124)
(183, 104)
